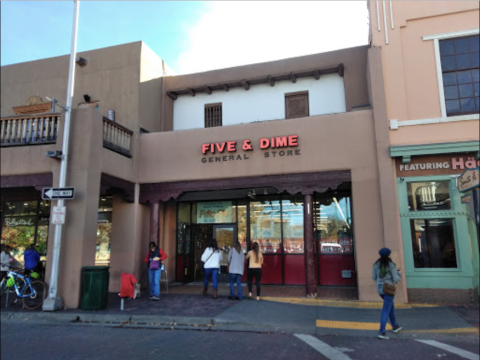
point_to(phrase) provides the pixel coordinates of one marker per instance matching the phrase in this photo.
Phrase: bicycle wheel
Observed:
(34, 299)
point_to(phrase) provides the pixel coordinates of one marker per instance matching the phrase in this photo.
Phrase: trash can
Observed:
(94, 287)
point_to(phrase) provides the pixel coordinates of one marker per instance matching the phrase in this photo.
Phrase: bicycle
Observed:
(33, 293)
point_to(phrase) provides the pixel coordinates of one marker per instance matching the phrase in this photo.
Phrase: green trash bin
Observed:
(94, 287)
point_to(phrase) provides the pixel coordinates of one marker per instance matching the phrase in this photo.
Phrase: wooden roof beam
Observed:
(316, 74)
(172, 95)
(208, 90)
(245, 84)
(191, 92)
(341, 69)
(225, 87)
(271, 80)
(293, 77)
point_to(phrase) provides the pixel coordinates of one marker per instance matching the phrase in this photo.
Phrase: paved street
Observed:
(187, 325)
(29, 340)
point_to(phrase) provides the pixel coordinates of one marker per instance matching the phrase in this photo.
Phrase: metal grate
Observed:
(213, 115)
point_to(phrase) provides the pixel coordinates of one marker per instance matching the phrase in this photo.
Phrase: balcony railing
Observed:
(117, 138)
(29, 129)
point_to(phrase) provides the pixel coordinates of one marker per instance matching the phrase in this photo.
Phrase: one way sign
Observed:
(58, 193)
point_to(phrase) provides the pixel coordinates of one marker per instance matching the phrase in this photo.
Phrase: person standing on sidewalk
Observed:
(154, 259)
(236, 262)
(211, 258)
(254, 269)
(31, 258)
(5, 260)
(385, 271)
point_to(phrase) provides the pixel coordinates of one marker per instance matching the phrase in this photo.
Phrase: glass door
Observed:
(225, 236)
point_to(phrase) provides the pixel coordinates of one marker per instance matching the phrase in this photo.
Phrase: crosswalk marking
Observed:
(323, 348)
(460, 352)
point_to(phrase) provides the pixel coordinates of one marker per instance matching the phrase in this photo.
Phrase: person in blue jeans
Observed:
(154, 254)
(211, 258)
(236, 262)
(385, 271)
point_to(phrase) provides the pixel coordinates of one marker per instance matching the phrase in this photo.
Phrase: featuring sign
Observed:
(214, 212)
(58, 215)
(468, 180)
(58, 193)
(436, 165)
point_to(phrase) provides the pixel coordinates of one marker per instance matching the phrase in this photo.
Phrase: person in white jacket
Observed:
(211, 258)
(236, 262)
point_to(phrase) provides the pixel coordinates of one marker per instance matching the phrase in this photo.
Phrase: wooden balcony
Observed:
(24, 130)
(117, 138)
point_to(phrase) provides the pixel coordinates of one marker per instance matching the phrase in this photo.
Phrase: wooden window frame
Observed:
(209, 122)
(294, 94)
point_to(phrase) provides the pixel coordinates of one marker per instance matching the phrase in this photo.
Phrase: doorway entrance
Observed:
(224, 234)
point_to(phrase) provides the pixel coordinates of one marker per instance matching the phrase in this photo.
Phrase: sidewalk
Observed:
(184, 307)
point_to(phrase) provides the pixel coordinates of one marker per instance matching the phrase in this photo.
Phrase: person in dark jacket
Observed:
(155, 254)
(31, 258)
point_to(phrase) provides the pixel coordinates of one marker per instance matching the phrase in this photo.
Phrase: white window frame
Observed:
(438, 62)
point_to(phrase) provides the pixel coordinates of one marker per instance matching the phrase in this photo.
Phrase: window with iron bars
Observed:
(213, 115)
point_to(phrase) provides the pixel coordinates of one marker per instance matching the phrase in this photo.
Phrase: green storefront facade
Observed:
(439, 223)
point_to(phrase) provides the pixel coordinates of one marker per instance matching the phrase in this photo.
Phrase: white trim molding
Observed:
(438, 62)
(395, 124)
(453, 34)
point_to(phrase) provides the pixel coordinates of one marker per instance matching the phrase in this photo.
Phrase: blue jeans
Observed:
(236, 278)
(214, 273)
(388, 311)
(154, 280)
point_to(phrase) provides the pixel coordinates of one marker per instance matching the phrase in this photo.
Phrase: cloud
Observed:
(233, 33)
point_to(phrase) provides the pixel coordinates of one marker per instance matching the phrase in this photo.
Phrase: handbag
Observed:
(154, 265)
(389, 289)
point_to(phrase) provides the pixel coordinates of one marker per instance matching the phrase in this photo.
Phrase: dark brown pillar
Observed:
(310, 275)
(154, 223)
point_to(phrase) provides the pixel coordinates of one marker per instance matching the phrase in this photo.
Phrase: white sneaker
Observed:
(383, 336)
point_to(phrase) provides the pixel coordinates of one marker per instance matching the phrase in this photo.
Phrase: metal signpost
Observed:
(53, 301)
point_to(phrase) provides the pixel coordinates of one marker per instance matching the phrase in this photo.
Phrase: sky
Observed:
(190, 36)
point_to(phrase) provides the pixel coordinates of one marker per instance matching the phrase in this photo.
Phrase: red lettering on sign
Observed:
(205, 148)
(293, 140)
(221, 147)
(281, 141)
(231, 146)
(264, 143)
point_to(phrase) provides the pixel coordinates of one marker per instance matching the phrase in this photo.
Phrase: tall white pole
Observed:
(54, 302)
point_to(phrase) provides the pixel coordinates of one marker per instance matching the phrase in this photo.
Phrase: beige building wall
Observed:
(326, 143)
(409, 66)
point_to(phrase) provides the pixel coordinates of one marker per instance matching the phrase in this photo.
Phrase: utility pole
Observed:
(53, 301)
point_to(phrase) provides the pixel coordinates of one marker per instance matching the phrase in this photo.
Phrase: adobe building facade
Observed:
(430, 61)
(293, 154)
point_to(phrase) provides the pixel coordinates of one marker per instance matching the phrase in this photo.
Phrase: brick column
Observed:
(310, 274)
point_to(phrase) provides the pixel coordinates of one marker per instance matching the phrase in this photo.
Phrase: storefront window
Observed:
(25, 223)
(265, 220)
(333, 229)
(428, 195)
(292, 217)
(433, 243)
(104, 230)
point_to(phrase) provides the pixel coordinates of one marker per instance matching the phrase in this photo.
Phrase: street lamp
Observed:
(53, 301)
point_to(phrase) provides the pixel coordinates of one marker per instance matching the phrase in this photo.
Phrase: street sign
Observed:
(58, 215)
(58, 193)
